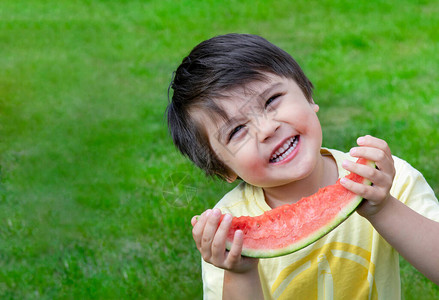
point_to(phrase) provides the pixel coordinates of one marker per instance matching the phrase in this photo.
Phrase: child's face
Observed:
(272, 136)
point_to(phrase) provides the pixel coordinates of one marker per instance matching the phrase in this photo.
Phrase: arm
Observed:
(241, 277)
(415, 237)
(242, 285)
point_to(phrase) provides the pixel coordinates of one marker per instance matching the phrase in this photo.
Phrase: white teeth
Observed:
(284, 150)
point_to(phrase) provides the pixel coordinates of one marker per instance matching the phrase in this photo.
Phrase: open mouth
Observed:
(285, 149)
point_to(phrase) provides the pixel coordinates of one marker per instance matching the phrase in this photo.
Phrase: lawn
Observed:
(89, 205)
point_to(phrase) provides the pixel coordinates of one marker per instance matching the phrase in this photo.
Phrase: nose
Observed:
(266, 128)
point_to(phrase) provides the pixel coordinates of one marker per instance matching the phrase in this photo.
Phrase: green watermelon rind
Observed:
(344, 214)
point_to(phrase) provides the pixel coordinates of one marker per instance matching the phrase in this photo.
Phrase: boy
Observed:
(243, 108)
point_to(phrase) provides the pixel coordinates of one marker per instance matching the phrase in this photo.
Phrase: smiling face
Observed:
(271, 135)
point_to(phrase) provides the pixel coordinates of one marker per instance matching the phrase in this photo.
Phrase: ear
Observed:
(314, 106)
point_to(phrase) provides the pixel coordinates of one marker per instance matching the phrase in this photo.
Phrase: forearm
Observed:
(242, 285)
(414, 236)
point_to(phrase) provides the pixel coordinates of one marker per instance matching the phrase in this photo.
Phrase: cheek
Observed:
(309, 123)
(221, 152)
(249, 167)
(224, 157)
(316, 125)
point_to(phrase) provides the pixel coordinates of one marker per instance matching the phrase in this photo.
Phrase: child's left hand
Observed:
(381, 177)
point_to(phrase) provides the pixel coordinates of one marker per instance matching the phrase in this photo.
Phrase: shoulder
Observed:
(402, 167)
(233, 197)
(243, 200)
(410, 187)
(407, 180)
(339, 157)
(405, 174)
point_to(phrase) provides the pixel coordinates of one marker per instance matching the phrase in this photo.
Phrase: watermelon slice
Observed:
(291, 227)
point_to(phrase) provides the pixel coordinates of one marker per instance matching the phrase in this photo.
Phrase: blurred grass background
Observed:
(88, 171)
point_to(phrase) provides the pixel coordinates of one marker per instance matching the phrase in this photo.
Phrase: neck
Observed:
(325, 173)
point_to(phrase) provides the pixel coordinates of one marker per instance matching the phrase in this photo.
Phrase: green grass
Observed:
(84, 150)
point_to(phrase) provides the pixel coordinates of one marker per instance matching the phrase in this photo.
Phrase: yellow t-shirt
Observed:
(351, 262)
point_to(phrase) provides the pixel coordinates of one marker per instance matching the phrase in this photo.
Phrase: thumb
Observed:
(194, 220)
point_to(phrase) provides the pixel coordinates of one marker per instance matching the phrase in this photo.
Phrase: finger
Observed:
(374, 194)
(219, 241)
(381, 158)
(371, 141)
(209, 233)
(362, 190)
(378, 177)
(373, 174)
(234, 254)
(368, 152)
(194, 220)
(197, 230)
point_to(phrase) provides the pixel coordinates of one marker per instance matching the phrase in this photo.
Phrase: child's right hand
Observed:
(211, 242)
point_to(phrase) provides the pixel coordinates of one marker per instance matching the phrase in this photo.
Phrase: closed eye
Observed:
(235, 131)
(271, 100)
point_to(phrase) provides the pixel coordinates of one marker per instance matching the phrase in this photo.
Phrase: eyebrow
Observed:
(269, 90)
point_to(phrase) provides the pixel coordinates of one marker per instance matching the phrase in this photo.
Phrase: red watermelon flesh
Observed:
(291, 227)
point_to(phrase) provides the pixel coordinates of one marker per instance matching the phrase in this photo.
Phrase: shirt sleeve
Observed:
(212, 281)
(411, 188)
